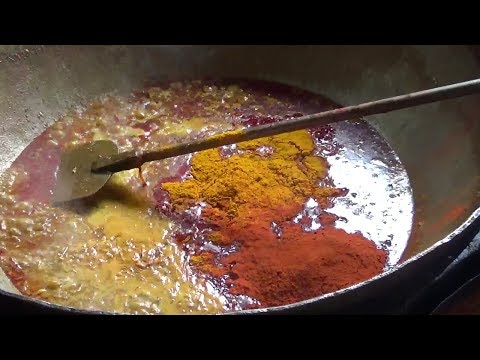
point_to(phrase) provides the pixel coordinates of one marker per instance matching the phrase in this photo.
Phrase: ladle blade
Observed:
(75, 178)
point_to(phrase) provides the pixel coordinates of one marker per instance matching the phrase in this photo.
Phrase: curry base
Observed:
(165, 242)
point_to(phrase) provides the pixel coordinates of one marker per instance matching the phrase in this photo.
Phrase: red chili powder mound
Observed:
(298, 265)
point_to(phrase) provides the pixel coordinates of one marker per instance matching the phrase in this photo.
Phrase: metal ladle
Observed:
(84, 170)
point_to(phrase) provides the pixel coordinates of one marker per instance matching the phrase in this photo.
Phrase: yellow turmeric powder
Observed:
(289, 175)
(226, 134)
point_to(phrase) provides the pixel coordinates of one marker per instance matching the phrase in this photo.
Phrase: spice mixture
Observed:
(221, 230)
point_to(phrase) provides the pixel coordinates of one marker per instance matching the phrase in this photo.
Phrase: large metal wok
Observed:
(439, 144)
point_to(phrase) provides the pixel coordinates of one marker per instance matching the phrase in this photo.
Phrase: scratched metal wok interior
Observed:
(317, 219)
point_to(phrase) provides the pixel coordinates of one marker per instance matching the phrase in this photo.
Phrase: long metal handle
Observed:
(131, 160)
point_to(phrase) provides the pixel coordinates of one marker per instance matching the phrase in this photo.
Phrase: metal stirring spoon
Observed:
(84, 170)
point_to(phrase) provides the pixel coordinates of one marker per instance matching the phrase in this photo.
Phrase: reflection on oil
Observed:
(379, 202)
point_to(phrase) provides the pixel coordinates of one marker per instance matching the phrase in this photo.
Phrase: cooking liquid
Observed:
(117, 250)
